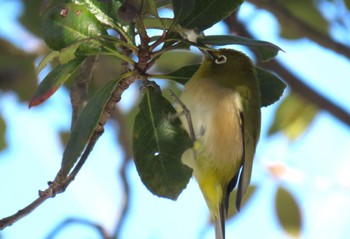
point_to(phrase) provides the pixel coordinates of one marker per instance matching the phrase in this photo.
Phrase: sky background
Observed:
(318, 162)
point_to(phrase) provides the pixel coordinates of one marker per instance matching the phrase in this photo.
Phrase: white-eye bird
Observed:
(223, 100)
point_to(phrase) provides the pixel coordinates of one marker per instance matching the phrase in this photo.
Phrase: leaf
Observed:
(48, 58)
(271, 87)
(172, 60)
(266, 50)
(347, 4)
(182, 9)
(104, 11)
(108, 13)
(195, 14)
(158, 144)
(288, 212)
(54, 80)
(85, 125)
(304, 10)
(158, 23)
(181, 75)
(17, 71)
(293, 117)
(70, 23)
(3, 143)
(232, 211)
(30, 17)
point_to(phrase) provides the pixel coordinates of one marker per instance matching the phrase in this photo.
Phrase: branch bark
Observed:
(301, 27)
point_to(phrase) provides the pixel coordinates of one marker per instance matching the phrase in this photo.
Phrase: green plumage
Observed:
(224, 103)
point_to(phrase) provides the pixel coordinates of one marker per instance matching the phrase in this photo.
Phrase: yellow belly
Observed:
(215, 117)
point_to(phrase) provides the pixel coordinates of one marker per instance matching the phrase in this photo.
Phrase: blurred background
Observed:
(301, 179)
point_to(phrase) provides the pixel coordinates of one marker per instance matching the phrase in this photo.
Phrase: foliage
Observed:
(79, 29)
(84, 24)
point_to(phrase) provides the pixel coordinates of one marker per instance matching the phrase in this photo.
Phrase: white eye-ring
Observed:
(221, 60)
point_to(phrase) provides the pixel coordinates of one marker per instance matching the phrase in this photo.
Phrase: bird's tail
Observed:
(220, 222)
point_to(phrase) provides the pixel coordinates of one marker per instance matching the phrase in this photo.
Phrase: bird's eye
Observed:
(221, 59)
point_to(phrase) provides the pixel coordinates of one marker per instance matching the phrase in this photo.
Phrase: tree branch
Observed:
(59, 186)
(296, 84)
(301, 27)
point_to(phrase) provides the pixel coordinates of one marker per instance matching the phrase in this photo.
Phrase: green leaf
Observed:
(271, 87)
(195, 14)
(3, 143)
(182, 9)
(172, 60)
(158, 144)
(158, 23)
(293, 117)
(104, 11)
(70, 23)
(30, 17)
(288, 212)
(17, 71)
(181, 75)
(54, 80)
(304, 10)
(108, 14)
(85, 125)
(50, 57)
(266, 50)
(347, 4)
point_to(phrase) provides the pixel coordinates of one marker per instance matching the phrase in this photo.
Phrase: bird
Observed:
(222, 100)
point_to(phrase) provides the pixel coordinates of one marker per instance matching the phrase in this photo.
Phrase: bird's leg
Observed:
(186, 113)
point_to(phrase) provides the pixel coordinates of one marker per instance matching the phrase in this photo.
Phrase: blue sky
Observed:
(317, 164)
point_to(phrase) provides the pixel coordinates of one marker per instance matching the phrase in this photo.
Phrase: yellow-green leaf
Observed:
(293, 116)
(288, 212)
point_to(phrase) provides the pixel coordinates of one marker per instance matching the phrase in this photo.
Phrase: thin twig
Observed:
(101, 231)
(8, 221)
(125, 143)
(59, 186)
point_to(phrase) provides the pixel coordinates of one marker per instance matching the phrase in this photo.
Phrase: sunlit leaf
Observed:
(288, 212)
(46, 60)
(194, 14)
(85, 125)
(54, 80)
(158, 144)
(104, 11)
(293, 117)
(69, 23)
(271, 87)
(266, 50)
